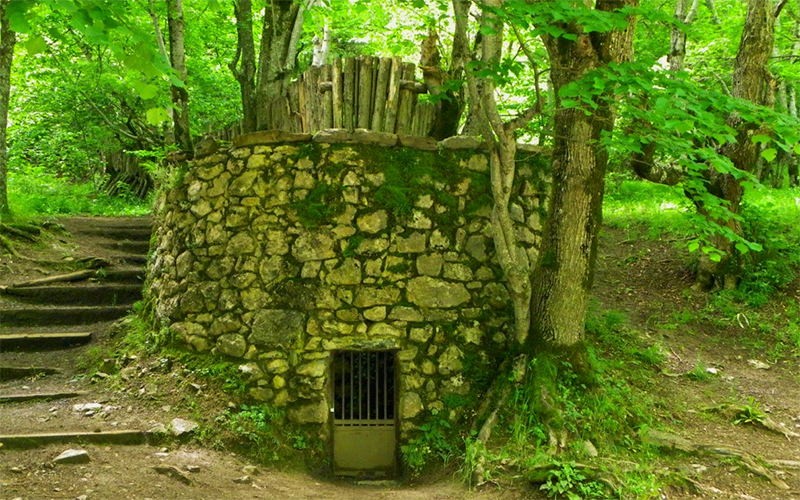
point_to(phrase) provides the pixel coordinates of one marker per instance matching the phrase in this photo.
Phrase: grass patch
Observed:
(36, 192)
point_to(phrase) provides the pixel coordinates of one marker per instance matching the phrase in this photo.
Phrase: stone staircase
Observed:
(47, 329)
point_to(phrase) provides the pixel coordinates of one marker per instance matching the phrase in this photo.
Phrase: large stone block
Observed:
(278, 327)
(314, 245)
(425, 291)
(315, 412)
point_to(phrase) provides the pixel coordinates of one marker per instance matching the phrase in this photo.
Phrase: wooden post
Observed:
(337, 94)
(349, 93)
(381, 87)
(393, 95)
(408, 99)
(304, 106)
(327, 99)
(365, 91)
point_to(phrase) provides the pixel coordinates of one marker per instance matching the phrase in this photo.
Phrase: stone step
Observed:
(47, 316)
(26, 441)
(137, 247)
(35, 340)
(89, 294)
(121, 233)
(46, 396)
(133, 259)
(125, 275)
(18, 372)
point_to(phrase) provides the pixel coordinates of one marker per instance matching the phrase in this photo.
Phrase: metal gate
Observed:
(364, 435)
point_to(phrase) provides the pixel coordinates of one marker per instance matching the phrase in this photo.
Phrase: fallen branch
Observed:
(76, 276)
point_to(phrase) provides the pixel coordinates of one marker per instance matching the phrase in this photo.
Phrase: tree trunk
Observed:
(564, 271)
(180, 95)
(751, 81)
(246, 72)
(322, 46)
(283, 22)
(8, 39)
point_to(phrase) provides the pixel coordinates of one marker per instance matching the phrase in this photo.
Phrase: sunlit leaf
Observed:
(156, 116)
(145, 90)
(769, 154)
(35, 45)
(761, 138)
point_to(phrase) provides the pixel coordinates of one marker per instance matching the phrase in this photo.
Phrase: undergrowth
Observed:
(37, 192)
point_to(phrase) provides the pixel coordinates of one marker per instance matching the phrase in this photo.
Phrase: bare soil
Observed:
(647, 280)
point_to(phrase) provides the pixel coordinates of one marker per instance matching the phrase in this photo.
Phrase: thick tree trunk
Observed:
(751, 81)
(283, 23)
(8, 39)
(246, 71)
(564, 272)
(180, 95)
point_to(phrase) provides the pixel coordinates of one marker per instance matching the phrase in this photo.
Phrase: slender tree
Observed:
(8, 38)
(243, 65)
(177, 57)
(752, 82)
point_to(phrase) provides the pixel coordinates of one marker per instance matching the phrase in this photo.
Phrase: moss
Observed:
(352, 245)
(320, 205)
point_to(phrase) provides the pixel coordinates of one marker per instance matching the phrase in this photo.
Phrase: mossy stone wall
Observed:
(285, 248)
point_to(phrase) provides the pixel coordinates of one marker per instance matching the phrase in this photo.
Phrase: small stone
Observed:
(193, 468)
(87, 407)
(758, 365)
(374, 222)
(589, 448)
(250, 470)
(173, 472)
(243, 480)
(73, 457)
(410, 405)
(179, 426)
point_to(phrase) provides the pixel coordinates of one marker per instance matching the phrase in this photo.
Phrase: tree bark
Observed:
(322, 46)
(564, 271)
(8, 39)
(180, 95)
(277, 59)
(751, 81)
(246, 71)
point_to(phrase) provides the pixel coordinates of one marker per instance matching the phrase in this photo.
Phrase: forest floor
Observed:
(648, 281)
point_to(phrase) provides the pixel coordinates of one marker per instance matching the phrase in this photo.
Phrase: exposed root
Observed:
(76, 276)
(765, 421)
(6, 243)
(749, 461)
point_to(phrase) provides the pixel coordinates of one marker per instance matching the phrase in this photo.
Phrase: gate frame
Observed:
(331, 426)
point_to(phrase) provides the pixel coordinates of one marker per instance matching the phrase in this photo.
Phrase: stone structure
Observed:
(284, 249)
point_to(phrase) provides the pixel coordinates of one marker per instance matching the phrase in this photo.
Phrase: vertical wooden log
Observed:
(408, 100)
(393, 95)
(349, 93)
(304, 107)
(327, 99)
(365, 91)
(381, 87)
(295, 117)
(337, 94)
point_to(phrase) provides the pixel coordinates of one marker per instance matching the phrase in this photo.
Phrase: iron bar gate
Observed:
(364, 434)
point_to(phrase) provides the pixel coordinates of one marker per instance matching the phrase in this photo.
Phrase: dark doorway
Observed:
(364, 431)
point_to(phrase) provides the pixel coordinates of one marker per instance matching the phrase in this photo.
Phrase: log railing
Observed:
(378, 94)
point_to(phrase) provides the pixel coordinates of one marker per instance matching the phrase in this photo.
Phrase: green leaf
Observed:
(715, 257)
(156, 116)
(693, 246)
(796, 149)
(769, 154)
(35, 45)
(761, 138)
(145, 90)
(743, 249)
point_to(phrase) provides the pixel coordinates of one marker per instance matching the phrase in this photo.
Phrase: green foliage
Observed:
(260, 426)
(567, 481)
(37, 191)
(750, 413)
(435, 442)
(321, 203)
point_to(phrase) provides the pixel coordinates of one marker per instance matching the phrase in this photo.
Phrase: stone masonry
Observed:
(241, 269)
